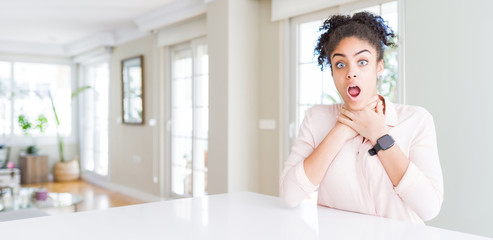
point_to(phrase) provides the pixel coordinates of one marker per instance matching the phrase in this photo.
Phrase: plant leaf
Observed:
(79, 90)
(54, 110)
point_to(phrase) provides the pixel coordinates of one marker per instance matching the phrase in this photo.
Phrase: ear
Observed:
(380, 68)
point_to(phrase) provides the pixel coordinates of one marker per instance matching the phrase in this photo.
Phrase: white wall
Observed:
(448, 63)
(133, 149)
(217, 38)
(243, 56)
(233, 92)
(269, 107)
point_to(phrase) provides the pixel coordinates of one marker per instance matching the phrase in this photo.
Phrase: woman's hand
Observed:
(368, 122)
(349, 132)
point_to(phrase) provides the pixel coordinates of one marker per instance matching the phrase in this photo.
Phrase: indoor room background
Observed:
(246, 68)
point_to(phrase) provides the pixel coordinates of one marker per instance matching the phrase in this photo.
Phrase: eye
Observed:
(340, 65)
(362, 62)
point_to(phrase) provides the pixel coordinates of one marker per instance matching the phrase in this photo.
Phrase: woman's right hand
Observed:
(348, 132)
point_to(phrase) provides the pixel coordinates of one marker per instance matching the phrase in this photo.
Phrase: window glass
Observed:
(190, 119)
(5, 103)
(25, 89)
(94, 118)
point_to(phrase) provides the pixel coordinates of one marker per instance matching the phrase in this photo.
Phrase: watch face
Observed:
(386, 142)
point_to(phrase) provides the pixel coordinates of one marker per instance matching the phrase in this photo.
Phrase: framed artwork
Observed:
(133, 90)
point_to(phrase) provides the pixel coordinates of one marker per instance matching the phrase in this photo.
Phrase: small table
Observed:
(21, 203)
(23, 198)
(59, 200)
(27, 199)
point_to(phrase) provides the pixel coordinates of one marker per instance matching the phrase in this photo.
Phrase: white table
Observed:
(240, 215)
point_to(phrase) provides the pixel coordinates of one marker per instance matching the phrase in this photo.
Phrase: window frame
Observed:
(191, 44)
(86, 174)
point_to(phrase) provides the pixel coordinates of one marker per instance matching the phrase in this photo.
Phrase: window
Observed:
(94, 118)
(189, 118)
(25, 88)
(5, 96)
(309, 84)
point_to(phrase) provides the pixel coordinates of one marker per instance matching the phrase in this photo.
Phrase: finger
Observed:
(345, 121)
(374, 98)
(372, 105)
(380, 107)
(373, 101)
(344, 116)
(347, 113)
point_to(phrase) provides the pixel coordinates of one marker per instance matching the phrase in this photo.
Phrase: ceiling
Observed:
(62, 22)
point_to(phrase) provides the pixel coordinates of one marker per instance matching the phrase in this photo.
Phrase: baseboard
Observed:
(122, 189)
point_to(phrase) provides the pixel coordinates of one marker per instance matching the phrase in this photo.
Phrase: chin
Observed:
(354, 105)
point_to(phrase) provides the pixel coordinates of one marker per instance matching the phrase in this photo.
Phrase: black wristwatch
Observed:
(383, 143)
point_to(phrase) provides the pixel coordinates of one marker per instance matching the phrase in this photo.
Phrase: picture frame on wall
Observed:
(133, 90)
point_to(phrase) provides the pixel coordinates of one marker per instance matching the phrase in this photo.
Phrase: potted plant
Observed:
(27, 127)
(65, 170)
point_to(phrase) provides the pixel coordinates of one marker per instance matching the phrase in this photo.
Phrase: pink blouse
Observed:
(356, 181)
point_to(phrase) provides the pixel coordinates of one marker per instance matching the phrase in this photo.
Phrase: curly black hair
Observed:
(363, 25)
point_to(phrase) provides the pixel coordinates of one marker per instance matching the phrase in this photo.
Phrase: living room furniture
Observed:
(59, 200)
(26, 198)
(34, 168)
(4, 155)
(239, 215)
(10, 177)
(22, 203)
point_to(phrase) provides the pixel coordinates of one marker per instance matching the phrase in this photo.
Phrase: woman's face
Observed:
(355, 70)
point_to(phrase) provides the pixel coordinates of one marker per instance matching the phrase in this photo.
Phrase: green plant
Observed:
(75, 93)
(28, 127)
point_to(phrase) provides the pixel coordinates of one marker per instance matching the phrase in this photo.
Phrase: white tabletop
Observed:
(240, 215)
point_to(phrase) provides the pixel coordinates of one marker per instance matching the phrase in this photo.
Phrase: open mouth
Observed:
(353, 91)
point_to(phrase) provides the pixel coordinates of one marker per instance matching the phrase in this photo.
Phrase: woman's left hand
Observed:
(368, 122)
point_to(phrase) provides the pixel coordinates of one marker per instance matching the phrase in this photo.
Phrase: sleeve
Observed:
(294, 184)
(421, 187)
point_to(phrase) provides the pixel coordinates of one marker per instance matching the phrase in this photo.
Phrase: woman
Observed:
(366, 155)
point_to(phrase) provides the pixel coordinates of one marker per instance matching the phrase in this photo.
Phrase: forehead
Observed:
(352, 45)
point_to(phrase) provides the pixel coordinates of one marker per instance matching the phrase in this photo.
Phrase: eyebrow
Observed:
(342, 55)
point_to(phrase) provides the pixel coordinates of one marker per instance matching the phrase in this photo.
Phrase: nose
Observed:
(351, 74)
